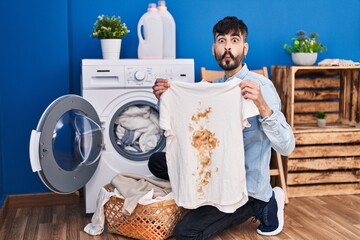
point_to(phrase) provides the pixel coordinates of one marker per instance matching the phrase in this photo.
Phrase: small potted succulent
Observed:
(304, 50)
(110, 31)
(321, 119)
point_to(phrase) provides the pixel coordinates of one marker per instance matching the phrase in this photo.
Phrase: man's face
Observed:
(229, 50)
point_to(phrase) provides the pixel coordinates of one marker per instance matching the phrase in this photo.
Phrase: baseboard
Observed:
(42, 199)
(3, 210)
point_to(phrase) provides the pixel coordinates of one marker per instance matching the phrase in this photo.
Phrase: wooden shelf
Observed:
(324, 159)
(312, 68)
(330, 127)
(305, 90)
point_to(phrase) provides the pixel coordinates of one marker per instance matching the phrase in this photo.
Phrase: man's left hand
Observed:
(251, 90)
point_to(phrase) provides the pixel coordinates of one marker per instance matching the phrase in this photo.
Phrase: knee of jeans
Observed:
(184, 231)
(179, 232)
(153, 164)
(175, 232)
(150, 162)
(153, 159)
(157, 166)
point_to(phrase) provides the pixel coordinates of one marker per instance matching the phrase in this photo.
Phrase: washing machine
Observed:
(84, 141)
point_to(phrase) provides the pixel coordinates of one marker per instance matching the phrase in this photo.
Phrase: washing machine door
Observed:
(65, 148)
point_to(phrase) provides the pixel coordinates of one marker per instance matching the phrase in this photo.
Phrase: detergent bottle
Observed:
(150, 34)
(169, 31)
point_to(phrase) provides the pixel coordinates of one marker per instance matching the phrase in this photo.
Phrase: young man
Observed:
(268, 129)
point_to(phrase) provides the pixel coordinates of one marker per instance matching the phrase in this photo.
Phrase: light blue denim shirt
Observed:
(264, 133)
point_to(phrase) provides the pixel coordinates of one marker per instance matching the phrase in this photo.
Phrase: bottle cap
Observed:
(162, 5)
(152, 7)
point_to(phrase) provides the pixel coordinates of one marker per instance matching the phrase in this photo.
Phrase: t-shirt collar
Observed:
(240, 74)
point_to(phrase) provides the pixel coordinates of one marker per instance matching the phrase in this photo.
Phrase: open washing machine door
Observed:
(65, 148)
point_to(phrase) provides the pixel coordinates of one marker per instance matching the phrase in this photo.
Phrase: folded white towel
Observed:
(337, 62)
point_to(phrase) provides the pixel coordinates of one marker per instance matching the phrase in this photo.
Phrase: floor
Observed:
(326, 217)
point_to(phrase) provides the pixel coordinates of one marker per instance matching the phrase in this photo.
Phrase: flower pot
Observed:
(304, 59)
(110, 48)
(321, 122)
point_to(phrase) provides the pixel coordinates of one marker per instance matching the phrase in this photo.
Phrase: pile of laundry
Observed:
(134, 189)
(137, 129)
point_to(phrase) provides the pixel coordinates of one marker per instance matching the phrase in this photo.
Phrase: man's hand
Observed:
(251, 90)
(160, 86)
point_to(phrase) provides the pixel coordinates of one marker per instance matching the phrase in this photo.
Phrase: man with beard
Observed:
(268, 129)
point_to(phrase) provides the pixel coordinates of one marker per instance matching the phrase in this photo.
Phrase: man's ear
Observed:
(246, 48)
(213, 49)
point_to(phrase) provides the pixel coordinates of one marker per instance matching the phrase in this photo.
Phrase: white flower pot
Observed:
(321, 122)
(304, 59)
(110, 48)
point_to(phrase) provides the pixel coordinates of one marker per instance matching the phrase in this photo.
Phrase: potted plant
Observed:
(321, 119)
(304, 50)
(110, 31)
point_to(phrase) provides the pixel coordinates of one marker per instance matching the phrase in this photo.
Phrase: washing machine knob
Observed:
(139, 75)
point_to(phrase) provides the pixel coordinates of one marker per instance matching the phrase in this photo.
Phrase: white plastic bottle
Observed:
(150, 34)
(169, 30)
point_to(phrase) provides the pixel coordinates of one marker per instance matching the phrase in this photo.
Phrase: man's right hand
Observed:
(160, 86)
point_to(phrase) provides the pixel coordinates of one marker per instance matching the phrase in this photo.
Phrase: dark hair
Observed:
(229, 24)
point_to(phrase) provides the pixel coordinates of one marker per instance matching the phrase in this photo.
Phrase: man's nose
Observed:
(227, 49)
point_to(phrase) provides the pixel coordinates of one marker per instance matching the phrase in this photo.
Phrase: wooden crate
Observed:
(326, 161)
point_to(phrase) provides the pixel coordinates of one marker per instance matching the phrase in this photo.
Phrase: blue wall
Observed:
(34, 71)
(43, 42)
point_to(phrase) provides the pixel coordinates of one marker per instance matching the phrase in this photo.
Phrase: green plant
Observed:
(107, 27)
(303, 44)
(320, 115)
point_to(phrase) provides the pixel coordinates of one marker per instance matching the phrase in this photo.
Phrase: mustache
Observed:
(227, 51)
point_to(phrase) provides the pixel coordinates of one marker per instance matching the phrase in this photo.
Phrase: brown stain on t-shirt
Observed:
(205, 142)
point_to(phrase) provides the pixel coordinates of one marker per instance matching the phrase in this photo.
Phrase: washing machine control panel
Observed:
(138, 76)
(145, 76)
(134, 73)
(141, 76)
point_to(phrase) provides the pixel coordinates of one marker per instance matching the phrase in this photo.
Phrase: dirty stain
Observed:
(205, 142)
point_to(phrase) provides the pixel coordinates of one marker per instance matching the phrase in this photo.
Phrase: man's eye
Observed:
(235, 40)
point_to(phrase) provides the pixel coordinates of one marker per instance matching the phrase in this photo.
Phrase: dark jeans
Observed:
(205, 221)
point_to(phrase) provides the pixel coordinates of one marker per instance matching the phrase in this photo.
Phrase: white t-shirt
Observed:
(203, 125)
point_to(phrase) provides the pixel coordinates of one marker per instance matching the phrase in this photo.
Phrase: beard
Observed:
(228, 65)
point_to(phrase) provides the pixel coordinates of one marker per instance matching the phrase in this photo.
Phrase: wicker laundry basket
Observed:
(149, 222)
